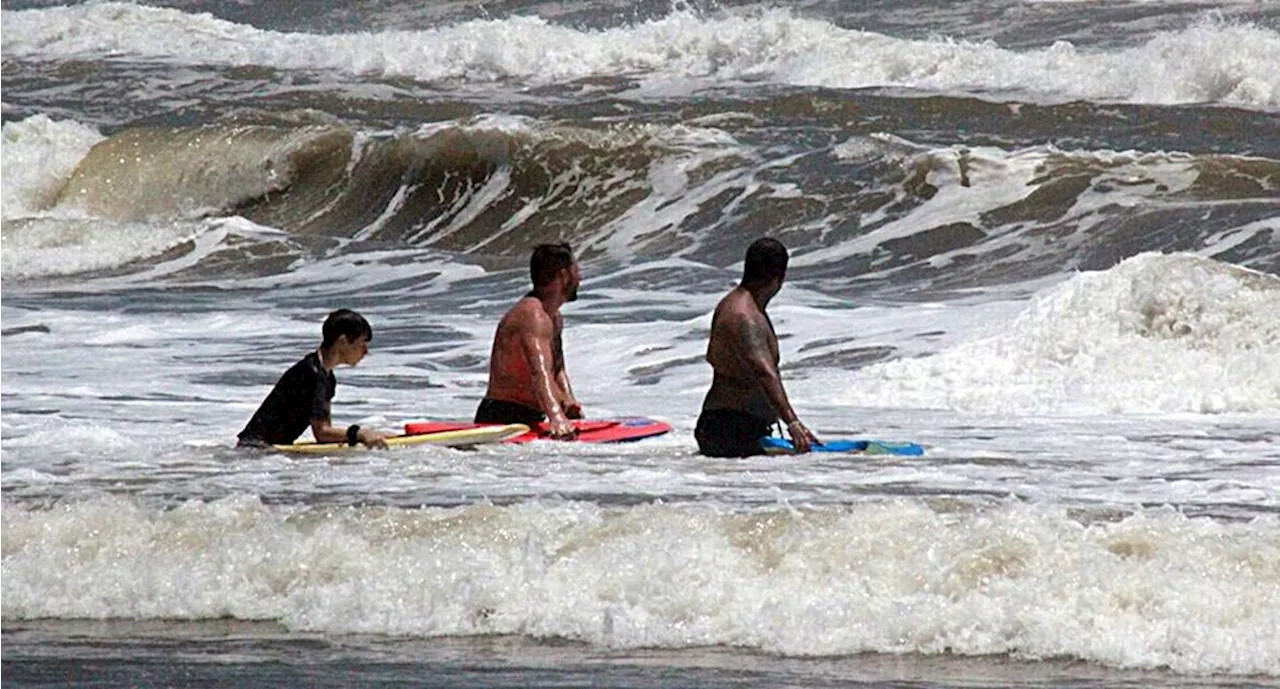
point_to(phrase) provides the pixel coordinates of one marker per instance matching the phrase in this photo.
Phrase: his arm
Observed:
(572, 408)
(535, 341)
(568, 401)
(753, 350)
(325, 432)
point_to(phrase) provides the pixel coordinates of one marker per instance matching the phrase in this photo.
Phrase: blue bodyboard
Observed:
(781, 446)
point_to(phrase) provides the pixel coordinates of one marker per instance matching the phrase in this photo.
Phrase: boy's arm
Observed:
(325, 432)
(322, 427)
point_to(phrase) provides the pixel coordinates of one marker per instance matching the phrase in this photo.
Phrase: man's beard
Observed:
(571, 293)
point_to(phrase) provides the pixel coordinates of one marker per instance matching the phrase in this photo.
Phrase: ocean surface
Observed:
(1041, 238)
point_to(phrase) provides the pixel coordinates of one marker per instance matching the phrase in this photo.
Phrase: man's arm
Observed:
(568, 401)
(535, 341)
(753, 350)
(572, 408)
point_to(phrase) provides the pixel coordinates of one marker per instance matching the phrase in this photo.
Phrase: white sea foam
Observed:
(969, 182)
(1156, 333)
(60, 245)
(1152, 589)
(38, 156)
(972, 182)
(1208, 61)
(849, 573)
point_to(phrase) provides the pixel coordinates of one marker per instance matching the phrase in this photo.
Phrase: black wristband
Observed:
(353, 434)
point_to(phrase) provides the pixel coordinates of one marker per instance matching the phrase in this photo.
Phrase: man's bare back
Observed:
(739, 332)
(528, 342)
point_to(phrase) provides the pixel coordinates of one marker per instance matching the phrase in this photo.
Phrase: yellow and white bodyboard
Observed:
(459, 438)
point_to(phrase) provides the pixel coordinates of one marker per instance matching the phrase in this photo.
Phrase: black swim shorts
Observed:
(500, 411)
(730, 433)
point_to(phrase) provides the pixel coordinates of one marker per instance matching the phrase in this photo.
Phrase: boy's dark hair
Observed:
(345, 322)
(547, 260)
(766, 260)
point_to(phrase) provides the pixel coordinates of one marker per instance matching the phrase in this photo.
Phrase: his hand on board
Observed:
(372, 439)
(802, 438)
(573, 410)
(559, 427)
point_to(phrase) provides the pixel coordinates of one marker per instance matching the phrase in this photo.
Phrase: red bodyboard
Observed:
(620, 430)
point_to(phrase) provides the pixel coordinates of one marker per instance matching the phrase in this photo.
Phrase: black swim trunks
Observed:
(301, 395)
(501, 411)
(730, 433)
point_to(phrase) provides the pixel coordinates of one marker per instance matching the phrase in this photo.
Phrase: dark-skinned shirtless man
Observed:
(746, 397)
(527, 378)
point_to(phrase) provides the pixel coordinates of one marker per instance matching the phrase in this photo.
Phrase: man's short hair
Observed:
(345, 322)
(548, 260)
(766, 260)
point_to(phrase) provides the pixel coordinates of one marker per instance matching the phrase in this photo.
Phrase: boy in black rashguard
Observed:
(300, 399)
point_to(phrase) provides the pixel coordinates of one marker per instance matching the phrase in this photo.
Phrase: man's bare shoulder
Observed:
(738, 307)
(528, 313)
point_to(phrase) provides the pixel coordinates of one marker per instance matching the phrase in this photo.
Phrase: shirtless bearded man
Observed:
(746, 396)
(527, 378)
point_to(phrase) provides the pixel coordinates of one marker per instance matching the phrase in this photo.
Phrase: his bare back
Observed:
(527, 335)
(741, 337)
